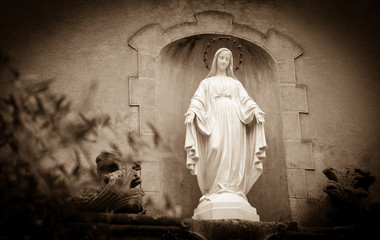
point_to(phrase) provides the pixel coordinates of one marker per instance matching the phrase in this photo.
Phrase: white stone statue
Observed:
(225, 142)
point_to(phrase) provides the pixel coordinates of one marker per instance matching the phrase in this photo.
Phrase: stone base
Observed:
(225, 206)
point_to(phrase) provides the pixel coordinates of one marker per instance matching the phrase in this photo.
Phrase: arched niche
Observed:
(180, 70)
(267, 72)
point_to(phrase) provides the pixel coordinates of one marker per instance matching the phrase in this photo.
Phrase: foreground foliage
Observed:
(348, 190)
(44, 158)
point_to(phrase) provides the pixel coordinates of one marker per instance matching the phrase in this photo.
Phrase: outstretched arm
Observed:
(189, 117)
(259, 115)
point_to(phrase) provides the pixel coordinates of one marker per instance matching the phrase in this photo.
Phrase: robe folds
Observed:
(225, 145)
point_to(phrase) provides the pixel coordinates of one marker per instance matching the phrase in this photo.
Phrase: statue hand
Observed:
(260, 116)
(189, 117)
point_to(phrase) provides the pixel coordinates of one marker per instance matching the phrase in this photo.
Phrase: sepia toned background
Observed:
(335, 78)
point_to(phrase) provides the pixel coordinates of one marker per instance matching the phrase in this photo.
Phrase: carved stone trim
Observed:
(297, 183)
(148, 115)
(214, 22)
(142, 91)
(150, 40)
(299, 155)
(281, 47)
(286, 72)
(249, 34)
(293, 98)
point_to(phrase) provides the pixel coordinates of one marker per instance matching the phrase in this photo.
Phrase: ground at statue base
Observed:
(134, 226)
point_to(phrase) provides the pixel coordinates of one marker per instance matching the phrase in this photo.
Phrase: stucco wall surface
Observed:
(77, 42)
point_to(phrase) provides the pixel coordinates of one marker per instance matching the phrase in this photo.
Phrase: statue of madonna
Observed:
(225, 141)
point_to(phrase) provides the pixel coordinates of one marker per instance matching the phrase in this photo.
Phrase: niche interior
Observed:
(181, 67)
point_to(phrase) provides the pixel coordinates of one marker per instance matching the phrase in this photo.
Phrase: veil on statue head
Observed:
(229, 70)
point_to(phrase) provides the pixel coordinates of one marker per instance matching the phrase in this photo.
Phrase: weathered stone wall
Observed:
(329, 94)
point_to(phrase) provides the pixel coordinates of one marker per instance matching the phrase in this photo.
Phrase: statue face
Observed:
(223, 60)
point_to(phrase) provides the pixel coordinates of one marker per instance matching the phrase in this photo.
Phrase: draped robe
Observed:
(225, 145)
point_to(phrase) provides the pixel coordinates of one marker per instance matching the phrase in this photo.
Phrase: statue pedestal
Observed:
(225, 206)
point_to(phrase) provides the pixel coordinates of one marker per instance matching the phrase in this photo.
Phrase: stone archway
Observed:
(149, 41)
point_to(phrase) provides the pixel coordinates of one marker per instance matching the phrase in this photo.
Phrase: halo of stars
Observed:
(233, 40)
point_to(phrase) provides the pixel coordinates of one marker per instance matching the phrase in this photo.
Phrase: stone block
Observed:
(293, 208)
(147, 65)
(142, 91)
(286, 72)
(149, 139)
(305, 211)
(133, 118)
(294, 98)
(297, 183)
(148, 115)
(150, 176)
(182, 30)
(149, 40)
(291, 126)
(214, 22)
(299, 155)
(282, 48)
(144, 143)
(314, 184)
(248, 34)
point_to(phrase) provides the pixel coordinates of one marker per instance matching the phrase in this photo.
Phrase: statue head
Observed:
(222, 53)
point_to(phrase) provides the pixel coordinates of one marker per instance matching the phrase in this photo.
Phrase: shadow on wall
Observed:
(181, 70)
